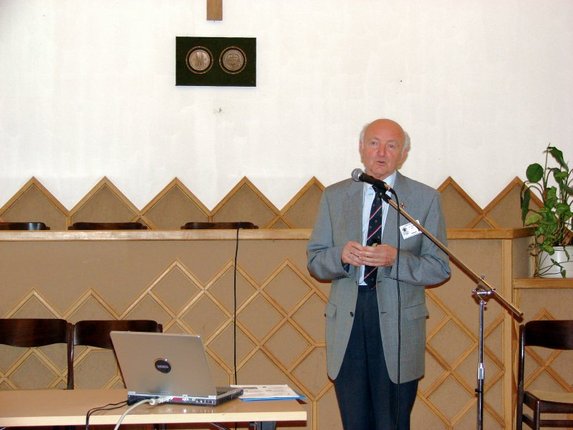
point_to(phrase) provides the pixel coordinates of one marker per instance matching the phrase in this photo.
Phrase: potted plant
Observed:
(546, 205)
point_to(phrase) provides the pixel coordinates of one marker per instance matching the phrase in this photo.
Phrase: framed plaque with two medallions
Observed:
(216, 61)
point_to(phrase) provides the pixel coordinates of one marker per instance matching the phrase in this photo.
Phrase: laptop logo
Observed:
(162, 365)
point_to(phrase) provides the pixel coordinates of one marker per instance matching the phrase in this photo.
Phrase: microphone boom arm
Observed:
(483, 286)
(482, 293)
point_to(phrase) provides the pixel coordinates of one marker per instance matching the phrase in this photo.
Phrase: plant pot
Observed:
(551, 266)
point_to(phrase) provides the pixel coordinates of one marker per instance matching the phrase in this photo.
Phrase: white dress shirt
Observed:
(367, 199)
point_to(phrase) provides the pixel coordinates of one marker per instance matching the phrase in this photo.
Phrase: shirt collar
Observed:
(390, 180)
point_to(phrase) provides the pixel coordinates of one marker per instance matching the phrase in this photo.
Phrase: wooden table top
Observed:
(69, 407)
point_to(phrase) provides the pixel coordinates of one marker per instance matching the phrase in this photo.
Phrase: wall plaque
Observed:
(216, 61)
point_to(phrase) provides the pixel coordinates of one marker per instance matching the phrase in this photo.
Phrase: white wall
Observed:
(87, 89)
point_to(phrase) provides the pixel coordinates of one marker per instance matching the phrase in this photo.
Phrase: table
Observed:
(68, 407)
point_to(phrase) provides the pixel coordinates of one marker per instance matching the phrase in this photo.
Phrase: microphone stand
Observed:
(482, 293)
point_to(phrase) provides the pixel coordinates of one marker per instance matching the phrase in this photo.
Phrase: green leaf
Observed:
(547, 248)
(550, 197)
(557, 155)
(525, 199)
(559, 175)
(563, 210)
(534, 172)
(532, 218)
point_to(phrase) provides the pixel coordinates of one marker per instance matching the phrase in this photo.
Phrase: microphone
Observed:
(359, 176)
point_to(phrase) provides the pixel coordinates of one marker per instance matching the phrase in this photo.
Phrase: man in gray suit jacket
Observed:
(376, 333)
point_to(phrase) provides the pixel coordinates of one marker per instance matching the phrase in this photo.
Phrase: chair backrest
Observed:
(96, 333)
(15, 225)
(219, 225)
(35, 332)
(30, 332)
(107, 226)
(553, 334)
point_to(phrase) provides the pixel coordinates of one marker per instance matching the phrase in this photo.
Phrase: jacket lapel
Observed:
(353, 211)
(390, 230)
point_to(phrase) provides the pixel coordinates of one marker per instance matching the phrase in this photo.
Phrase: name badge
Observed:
(409, 230)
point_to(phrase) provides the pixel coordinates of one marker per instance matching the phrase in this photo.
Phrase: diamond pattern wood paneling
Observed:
(173, 207)
(104, 203)
(35, 203)
(191, 286)
(176, 204)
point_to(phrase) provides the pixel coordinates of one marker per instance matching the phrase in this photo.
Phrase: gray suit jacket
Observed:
(421, 263)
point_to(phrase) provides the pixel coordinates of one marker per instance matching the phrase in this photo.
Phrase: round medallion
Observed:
(233, 60)
(199, 60)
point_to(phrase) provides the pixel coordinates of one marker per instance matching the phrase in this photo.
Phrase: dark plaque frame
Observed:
(216, 61)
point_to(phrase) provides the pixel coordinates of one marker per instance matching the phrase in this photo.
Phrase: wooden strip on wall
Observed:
(215, 10)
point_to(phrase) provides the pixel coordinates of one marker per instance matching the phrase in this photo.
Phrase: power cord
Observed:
(235, 310)
(153, 402)
(158, 400)
(399, 296)
(112, 406)
(235, 306)
(108, 407)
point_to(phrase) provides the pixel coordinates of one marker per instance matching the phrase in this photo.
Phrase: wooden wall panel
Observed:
(185, 280)
(176, 204)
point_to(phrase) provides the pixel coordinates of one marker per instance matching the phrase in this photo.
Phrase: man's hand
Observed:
(355, 254)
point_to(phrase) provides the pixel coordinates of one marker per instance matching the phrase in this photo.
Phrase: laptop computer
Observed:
(170, 367)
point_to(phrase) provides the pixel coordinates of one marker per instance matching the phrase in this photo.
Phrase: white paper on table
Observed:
(268, 392)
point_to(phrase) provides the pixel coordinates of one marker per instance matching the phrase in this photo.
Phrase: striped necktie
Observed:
(374, 237)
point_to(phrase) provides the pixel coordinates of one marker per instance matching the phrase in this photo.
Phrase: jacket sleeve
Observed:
(430, 265)
(324, 256)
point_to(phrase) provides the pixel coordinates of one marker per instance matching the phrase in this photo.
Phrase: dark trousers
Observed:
(367, 398)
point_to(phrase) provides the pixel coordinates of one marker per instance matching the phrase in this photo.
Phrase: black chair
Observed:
(35, 332)
(555, 335)
(218, 225)
(13, 225)
(96, 333)
(107, 226)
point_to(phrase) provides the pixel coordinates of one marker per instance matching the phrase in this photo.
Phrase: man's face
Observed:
(381, 150)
